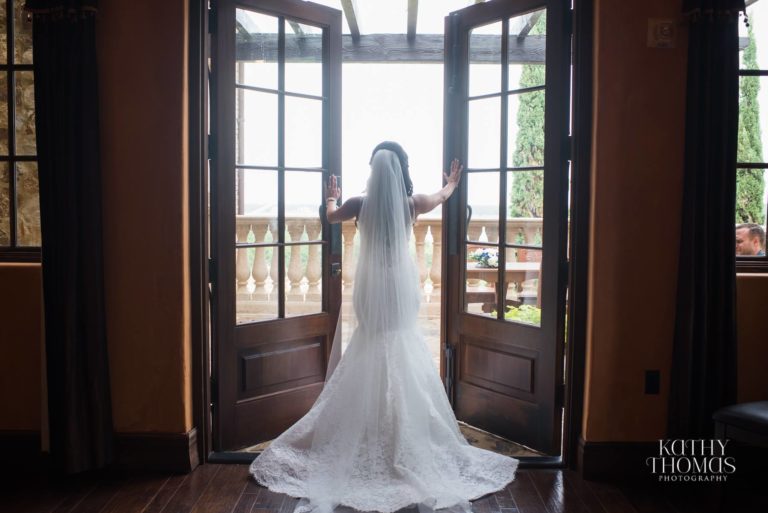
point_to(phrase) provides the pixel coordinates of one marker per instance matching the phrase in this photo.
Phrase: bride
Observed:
(381, 435)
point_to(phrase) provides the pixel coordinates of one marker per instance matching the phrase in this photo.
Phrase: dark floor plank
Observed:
(224, 492)
(611, 497)
(246, 503)
(166, 493)
(505, 500)
(525, 495)
(557, 497)
(269, 500)
(647, 500)
(574, 482)
(136, 494)
(106, 490)
(189, 492)
(77, 495)
(487, 504)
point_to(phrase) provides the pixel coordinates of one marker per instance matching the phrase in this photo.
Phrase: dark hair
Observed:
(402, 156)
(755, 230)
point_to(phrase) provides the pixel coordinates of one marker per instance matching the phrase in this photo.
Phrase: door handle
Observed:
(335, 269)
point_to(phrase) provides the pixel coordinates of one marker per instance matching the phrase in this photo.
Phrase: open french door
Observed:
(275, 270)
(506, 117)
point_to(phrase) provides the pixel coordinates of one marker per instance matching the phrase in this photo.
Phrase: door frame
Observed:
(201, 440)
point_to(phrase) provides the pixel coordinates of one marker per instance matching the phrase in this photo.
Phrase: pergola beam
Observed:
(351, 12)
(413, 14)
(532, 20)
(426, 48)
(296, 28)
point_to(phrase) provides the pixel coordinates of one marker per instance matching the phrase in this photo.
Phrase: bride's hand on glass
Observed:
(455, 176)
(333, 190)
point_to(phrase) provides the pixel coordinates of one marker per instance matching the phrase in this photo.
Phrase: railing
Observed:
(256, 269)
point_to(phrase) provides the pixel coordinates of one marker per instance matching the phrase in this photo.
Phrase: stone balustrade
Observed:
(257, 268)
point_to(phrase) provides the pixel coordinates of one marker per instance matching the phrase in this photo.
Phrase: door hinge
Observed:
(211, 271)
(211, 18)
(214, 393)
(211, 147)
(450, 370)
(560, 395)
(569, 21)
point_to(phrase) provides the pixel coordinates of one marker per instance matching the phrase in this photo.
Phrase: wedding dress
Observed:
(381, 435)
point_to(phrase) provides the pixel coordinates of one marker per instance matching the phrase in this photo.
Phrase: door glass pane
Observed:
(303, 58)
(303, 132)
(260, 205)
(481, 279)
(256, 128)
(751, 217)
(5, 206)
(484, 133)
(303, 197)
(303, 272)
(485, 59)
(256, 291)
(525, 132)
(525, 212)
(753, 119)
(27, 204)
(483, 200)
(527, 49)
(256, 48)
(523, 287)
(25, 113)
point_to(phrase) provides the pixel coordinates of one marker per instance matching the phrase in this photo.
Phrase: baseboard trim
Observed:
(171, 452)
(615, 461)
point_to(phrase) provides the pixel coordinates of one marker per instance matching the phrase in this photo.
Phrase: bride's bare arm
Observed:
(424, 203)
(349, 210)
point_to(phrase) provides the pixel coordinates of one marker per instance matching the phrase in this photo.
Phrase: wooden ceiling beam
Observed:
(352, 12)
(413, 14)
(389, 48)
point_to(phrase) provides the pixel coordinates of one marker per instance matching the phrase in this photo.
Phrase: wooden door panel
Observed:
(275, 300)
(507, 373)
(283, 409)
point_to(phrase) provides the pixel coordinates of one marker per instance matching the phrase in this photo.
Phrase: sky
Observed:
(401, 102)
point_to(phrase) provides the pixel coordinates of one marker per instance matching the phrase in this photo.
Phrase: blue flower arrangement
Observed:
(485, 257)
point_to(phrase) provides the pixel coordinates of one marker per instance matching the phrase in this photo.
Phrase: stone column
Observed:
(295, 272)
(435, 272)
(242, 270)
(419, 236)
(348, 230)
(315, 257)
(259, 270)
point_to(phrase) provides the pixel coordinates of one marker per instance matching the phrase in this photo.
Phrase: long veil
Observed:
(386, 294)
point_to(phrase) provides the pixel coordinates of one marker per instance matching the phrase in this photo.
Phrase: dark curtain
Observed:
(704, 356)
(66, 105)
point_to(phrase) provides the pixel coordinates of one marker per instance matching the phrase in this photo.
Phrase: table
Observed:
(514, 272)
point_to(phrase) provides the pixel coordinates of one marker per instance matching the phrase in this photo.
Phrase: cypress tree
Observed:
(749, 182)
(527, 191)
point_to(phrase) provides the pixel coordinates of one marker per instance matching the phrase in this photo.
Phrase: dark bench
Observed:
(745, 422)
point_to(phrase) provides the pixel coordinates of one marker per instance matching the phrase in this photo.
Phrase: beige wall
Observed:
(637, 167)
(636, 202)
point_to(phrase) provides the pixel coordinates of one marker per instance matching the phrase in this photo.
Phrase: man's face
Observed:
(746, 245)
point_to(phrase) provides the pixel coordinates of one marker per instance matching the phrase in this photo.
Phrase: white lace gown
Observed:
(382, 436)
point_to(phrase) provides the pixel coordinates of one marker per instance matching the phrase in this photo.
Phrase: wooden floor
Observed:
(218, 488)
